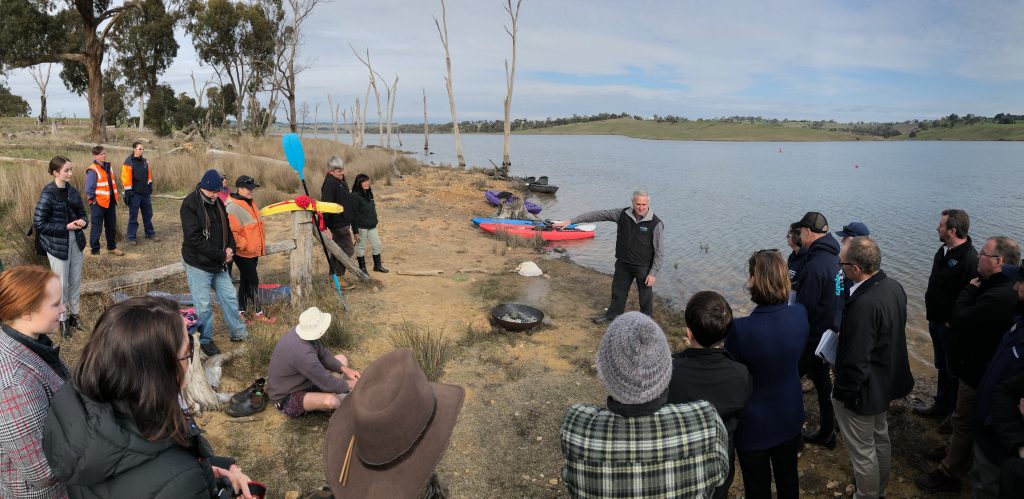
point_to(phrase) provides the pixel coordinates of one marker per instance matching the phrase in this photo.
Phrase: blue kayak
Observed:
(510, 221)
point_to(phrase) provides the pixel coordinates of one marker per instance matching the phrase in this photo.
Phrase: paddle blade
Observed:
(293, 151)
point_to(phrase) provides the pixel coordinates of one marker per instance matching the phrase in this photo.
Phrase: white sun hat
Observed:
(313, 324)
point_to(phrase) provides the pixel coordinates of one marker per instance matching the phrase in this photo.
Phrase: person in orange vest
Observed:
(101, 192)
(250, 245)
(137, 179)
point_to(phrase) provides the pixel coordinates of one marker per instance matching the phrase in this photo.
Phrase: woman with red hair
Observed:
(31, 372)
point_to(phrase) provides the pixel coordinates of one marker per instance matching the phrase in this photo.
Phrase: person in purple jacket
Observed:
(304, 375)
(770, 342)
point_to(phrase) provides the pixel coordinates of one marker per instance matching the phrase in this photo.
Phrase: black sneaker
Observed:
(937, 481)
(210, 349)
(827, 441)
(255, 402)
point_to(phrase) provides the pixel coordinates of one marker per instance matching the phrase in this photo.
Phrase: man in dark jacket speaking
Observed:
(335, 190)
(638, 253)
(206, 248)
(820, 291)
(872, 367)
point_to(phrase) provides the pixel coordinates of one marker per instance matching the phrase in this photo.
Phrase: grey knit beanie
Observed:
(633, 360)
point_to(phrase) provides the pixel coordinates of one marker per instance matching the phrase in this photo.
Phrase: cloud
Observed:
(860, 61)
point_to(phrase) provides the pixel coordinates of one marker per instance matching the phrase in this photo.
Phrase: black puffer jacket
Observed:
(52, 216)
(820, 287)
(97, 451)
(365, 210)
(336, 191)
(206, 232)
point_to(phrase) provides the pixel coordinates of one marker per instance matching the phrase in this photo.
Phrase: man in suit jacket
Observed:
(872, 366)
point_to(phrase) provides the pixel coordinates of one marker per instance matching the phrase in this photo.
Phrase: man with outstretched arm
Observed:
(638, 252)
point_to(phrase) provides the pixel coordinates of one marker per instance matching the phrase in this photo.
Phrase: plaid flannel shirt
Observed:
(679, 451)
(26, 386)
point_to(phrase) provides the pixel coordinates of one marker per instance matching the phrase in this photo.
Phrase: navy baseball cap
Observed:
(854, 229)
(1014, 272)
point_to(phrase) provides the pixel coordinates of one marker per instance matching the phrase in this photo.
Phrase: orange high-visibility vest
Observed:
(105, 186)
(247, 227)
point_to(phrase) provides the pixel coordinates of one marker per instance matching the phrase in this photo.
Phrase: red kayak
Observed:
(546, 233)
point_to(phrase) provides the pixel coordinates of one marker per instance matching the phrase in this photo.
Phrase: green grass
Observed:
(704, 130)
(980, 131)
(793, 131)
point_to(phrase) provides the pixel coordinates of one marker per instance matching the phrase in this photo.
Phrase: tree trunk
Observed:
(443, 33)
(293, 120)
(142, 110)
(426, 126)
(510, 76)
(42, 108)
(93, 62)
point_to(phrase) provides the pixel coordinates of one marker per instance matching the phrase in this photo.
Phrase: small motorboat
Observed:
(543, 188)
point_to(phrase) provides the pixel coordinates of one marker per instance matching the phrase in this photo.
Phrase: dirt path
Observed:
(518, 385)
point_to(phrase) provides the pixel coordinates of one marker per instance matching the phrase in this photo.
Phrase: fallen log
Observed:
(335, 251)
(419, 272)
(148, 276)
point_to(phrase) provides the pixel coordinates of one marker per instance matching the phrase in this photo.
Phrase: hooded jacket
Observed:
(336, 191)
(98, 452)
(207, 232)
(872, 365)
(820, 287)
(365, 216)
(52, 216)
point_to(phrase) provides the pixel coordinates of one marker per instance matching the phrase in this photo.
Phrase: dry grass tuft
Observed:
(432, 350)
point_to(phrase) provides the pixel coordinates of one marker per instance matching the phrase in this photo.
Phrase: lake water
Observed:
(738, 197)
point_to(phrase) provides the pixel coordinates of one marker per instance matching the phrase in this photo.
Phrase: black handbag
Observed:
(39, 247)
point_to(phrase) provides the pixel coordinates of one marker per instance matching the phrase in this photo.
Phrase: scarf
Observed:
(42, 347)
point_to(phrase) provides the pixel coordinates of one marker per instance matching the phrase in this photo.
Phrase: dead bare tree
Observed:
(376, 93)
(443, 33)
(42, 81)
(392, 97)
(316, 109)
(299, 11)
(426, 126)
(334, 109)
(510, 75)
(304, 114)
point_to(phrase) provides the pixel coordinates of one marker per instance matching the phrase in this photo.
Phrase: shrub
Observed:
(432, 351)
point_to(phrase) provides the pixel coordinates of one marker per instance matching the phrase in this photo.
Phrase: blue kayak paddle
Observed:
(297, 158)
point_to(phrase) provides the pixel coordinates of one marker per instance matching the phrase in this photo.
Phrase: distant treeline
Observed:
(886, 130)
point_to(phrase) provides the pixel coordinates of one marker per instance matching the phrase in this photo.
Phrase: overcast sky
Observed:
(843, 60)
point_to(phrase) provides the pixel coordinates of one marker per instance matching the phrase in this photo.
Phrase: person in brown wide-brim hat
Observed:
(389, 434)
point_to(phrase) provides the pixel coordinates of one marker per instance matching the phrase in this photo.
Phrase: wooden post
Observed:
(301, 259)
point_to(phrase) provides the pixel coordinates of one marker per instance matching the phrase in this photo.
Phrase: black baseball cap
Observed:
(247, 182)
(814, 221)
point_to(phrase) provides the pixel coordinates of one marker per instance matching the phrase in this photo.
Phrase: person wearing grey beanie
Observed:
(640, 446)
(634, 361)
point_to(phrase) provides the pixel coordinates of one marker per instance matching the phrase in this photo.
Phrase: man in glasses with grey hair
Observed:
(638, 252)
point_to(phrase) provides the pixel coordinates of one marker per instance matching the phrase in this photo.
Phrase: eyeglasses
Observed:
(191, 349)
(982, 253)
(848, 263)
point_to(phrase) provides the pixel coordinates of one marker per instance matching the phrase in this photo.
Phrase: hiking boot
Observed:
(946, 426)
(116, 252)
(133, 242)
(827, 441)
(377, 266)
(600, 319)
(65, 331)
(153, 238)
(239, 339)
(259, 385)
(937, 481)
(936, 454)
(94, 252)
(75, 323)
(362, 264)
(210, 349)
(255, 402)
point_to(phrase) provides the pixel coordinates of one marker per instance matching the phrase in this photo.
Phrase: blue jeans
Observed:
(136, 203)
(199, 283)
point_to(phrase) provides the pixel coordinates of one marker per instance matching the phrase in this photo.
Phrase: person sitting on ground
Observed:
(770, 342)
(206, 248)
(304, 375)
(121, 428)
(392, 432)
(641, 446)
(59, 220)
(365, 222)
(250, 241)
(705, 371)
(31, 371)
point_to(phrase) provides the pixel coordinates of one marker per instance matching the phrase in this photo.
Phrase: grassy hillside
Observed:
(794, 131)
(980, 131)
